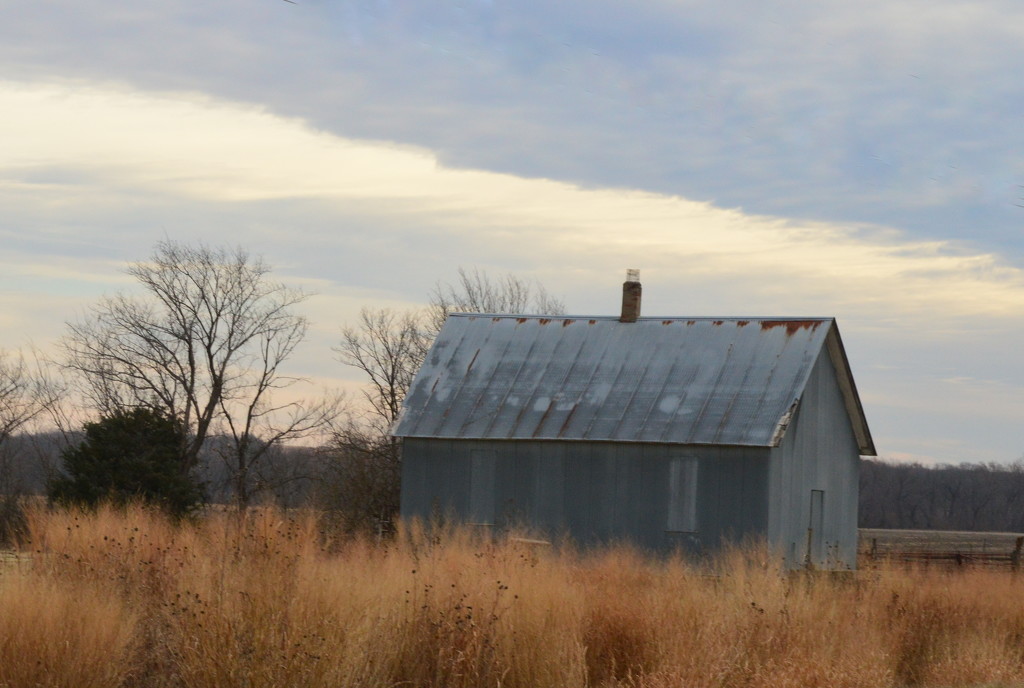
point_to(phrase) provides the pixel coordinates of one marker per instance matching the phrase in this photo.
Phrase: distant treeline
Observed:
(288, 472)
(979, 497)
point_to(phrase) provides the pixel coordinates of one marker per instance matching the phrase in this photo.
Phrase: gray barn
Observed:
(670, 433)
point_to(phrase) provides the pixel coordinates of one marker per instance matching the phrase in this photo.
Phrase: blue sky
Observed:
(861, 160)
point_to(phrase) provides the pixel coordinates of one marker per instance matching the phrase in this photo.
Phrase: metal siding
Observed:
(820, 452)
(482, 484)
(549, 487)
(675, 381)
(648, 492)
(605, 485)
(505, 485)
(578, 496)
(626, 514)
(682, 494)
(789, 491)
(524, 467)
(731, 494)
(595, 492)
(435, 479)
(415, 484)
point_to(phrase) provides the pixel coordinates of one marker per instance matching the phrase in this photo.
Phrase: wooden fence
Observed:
(942, 549)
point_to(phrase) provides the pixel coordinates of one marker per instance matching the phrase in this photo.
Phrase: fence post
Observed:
(1015, 557)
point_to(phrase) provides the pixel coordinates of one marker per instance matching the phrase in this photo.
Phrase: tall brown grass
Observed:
(126, 598)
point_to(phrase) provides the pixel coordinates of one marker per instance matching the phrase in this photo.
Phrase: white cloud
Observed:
(852, 142)
(334, 213)
(892, 113)
(204, 150)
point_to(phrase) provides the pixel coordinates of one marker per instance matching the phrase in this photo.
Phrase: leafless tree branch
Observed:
(389, 347)
(478, 292)
(205, 346)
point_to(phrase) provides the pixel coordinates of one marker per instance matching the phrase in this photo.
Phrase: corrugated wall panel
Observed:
(597, 492)
(819, 453)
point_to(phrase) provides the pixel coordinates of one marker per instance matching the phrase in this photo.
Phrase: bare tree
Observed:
(362, 463)
(31, 398)
(388, 346)
(258, 429)
(204, 345)
(361, 471)
(25, 394)
(478, 292)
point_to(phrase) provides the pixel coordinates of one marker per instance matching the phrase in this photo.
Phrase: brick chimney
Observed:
(631, 297)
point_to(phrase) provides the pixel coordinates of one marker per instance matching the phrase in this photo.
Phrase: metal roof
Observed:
(673, 380)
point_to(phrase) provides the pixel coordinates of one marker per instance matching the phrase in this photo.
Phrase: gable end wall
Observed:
(818, 453)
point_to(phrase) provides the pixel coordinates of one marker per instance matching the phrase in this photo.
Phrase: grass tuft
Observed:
(124, 597)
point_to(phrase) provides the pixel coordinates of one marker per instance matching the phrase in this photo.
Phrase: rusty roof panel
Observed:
(686, 381)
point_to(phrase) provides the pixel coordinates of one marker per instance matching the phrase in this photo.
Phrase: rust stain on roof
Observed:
(544, 321)
(566, 323)
(717, 323)
(565, 425)
(547, 411)
(792, 326)
(667, 322)
(748, 377)
(520, 320)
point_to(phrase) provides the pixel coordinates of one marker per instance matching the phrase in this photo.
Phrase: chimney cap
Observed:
(633, 275)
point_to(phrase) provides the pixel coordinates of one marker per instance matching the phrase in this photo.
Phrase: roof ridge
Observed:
(723, 318)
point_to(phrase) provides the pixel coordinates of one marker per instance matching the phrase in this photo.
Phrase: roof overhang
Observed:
(848, 388)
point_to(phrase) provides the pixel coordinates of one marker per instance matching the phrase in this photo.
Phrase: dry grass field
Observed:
(128, 599)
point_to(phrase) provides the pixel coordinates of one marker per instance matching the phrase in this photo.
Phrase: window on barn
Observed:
(682, 495)
(481, 487)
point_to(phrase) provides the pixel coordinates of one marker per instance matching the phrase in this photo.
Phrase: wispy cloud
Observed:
(376, 223)
(216, 152)
(858, 159)
(896, 114)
